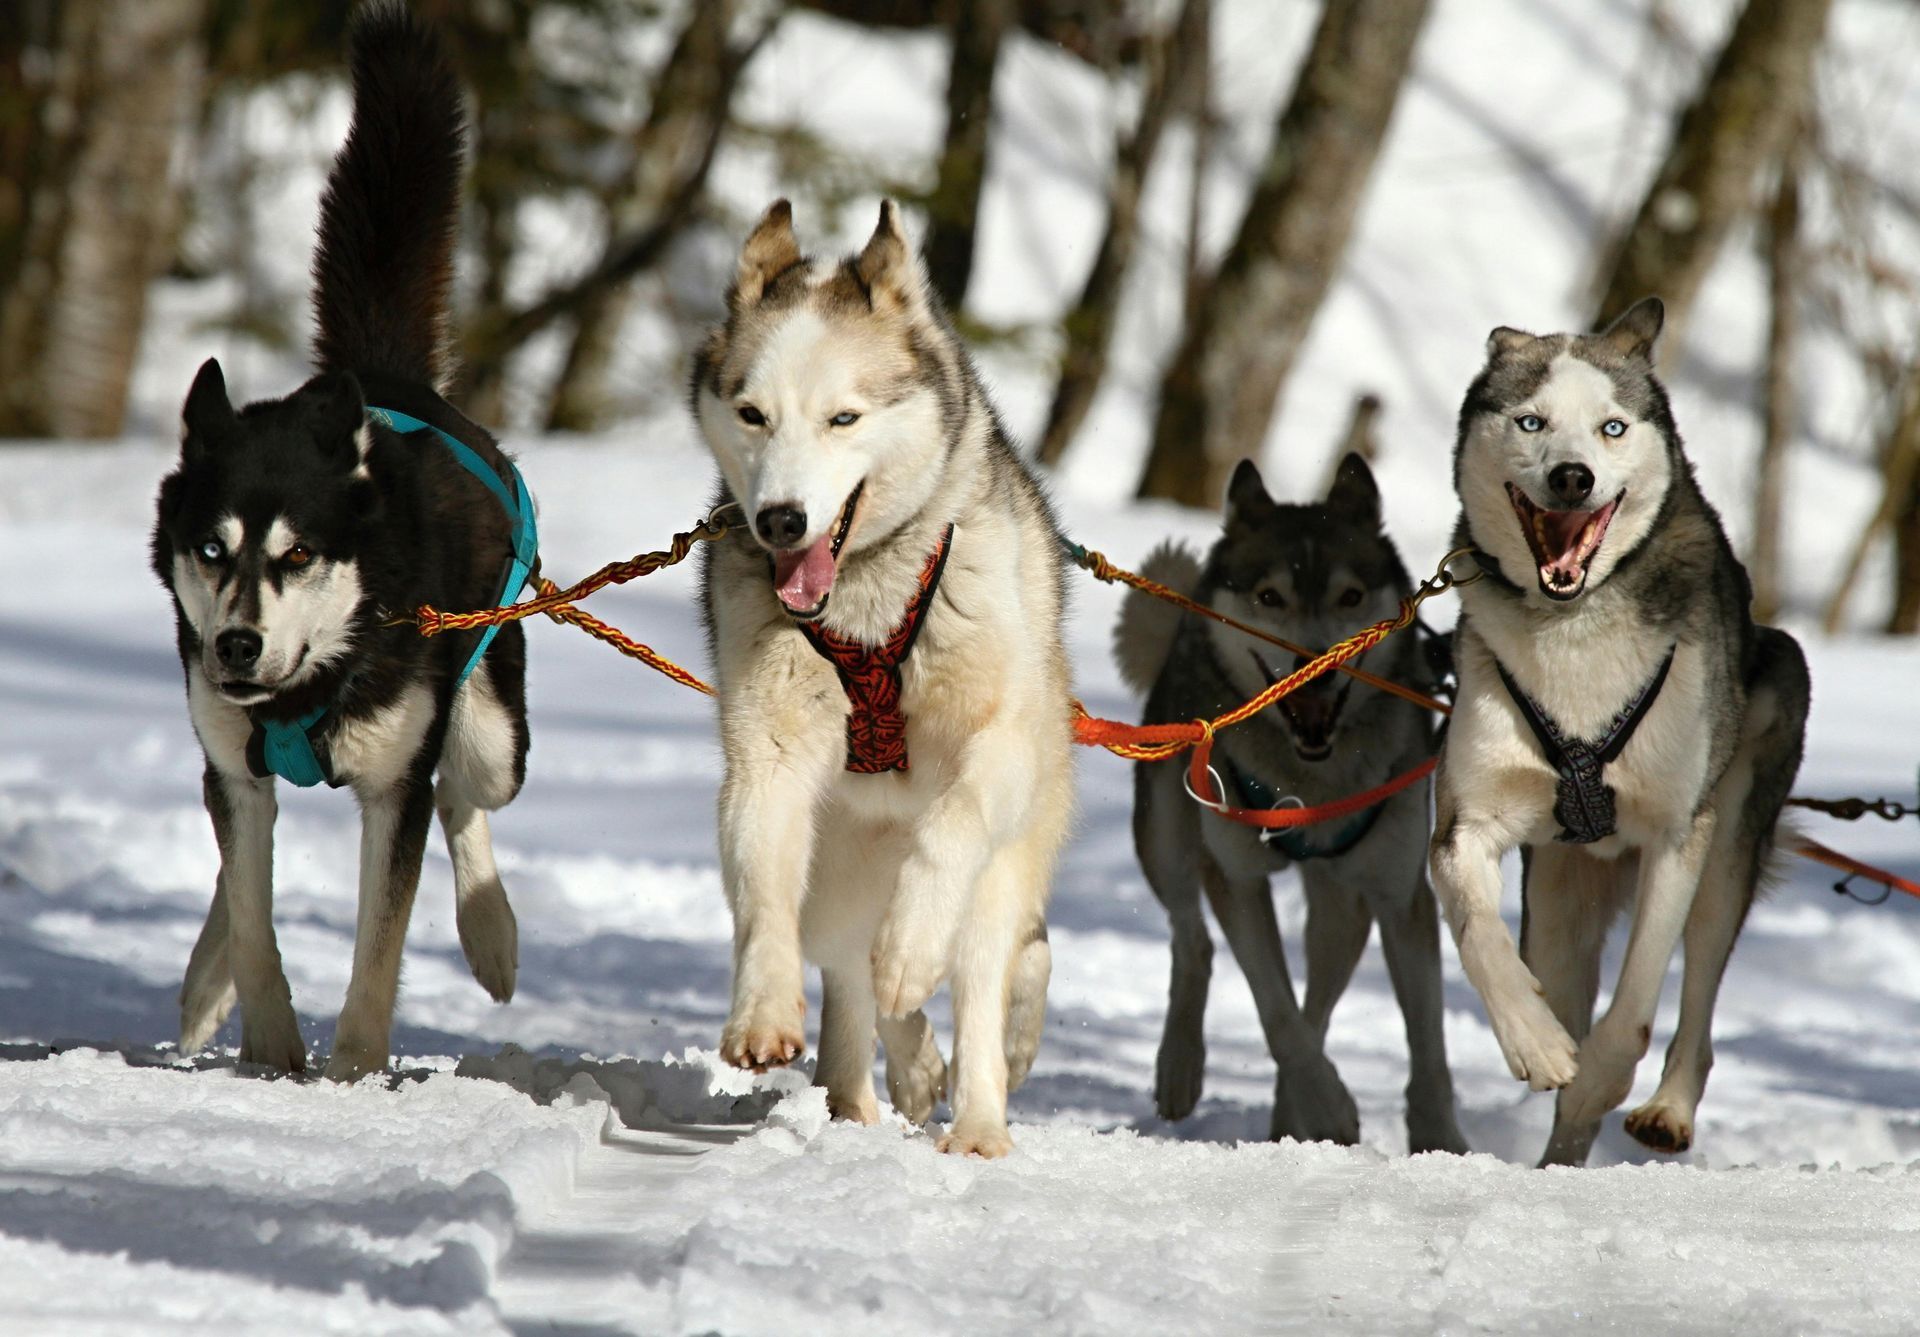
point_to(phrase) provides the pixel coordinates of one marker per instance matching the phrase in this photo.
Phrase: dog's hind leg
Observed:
(1166, 836)
(845, 1067)
(1569, 900)
(1027, 1003)
(393, 839)
(243, 812)
(480, 769)
(916, 1073)
(208, 994)
(1310, 1102)
(852, 878)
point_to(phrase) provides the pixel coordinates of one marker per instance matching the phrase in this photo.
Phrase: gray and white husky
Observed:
(895, 710)
(1620, 717)
(1312, 574)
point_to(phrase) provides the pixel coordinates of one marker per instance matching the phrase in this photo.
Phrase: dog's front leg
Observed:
(393, 839)
(969, 819)
(1465, 863)
(1669, 877)
(766, 847)
(243, 811)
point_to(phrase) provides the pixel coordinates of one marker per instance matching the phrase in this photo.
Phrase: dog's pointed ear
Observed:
(208, 412)
(770, 251)
(1247, 497)
(337, 415)
(1505, 339)
(889, 268)
(1632, 335)
(1354, 494)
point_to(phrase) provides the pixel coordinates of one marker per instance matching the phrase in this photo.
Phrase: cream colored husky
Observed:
(894, 699)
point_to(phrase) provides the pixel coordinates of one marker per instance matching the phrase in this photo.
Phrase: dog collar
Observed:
(1257, 793)
(296, 750)
(1583, 803)
(870, 675)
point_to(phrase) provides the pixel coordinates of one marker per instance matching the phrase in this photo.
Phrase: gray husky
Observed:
(1312, 574)
(1620, 717)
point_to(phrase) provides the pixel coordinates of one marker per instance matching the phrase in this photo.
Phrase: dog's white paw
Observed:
(860, 1107)
(764, 1034)
(916, 1078)
(1537, 1047)
(906, 968)
(989, 1141)
(490, 938)
(354, 1058)
(1661, 1126)
(270, 1036)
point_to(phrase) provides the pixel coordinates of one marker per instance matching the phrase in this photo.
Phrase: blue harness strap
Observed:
(292, 749)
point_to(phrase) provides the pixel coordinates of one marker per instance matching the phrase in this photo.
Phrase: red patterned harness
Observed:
(870, 675)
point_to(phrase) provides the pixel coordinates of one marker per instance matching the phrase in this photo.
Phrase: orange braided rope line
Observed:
(432, 622)
(620, 641)
(1097, 565)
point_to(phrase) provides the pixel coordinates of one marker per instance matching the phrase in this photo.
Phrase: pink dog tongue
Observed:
(802, 579)
(1562, 534)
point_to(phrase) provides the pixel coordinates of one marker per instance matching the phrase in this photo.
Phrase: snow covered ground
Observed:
(648, 1189)
(662, 1193)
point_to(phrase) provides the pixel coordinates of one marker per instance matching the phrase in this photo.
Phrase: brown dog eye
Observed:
(1271, 598)
(297, 555)
(752, 416)
(1351, 599)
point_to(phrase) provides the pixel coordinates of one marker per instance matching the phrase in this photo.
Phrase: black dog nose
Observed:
(782, 526)
(1572, 483)
(238, 649)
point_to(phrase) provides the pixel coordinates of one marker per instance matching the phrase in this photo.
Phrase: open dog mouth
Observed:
(803, 577)
(251, 692)
(1312, 710)
(1563, 542)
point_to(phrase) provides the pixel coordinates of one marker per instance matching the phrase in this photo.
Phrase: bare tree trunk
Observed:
(976, 28)
(1194, 282)
(1219, 393)
(1903, 492)
(95, 211)
(688, 94)
(1739, 124)
(1900, 474)
(1783, 289)
(1173, 60)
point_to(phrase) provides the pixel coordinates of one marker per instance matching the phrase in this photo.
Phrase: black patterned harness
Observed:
(1583, 804)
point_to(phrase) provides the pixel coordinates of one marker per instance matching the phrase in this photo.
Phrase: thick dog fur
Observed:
(841, 391)
(1313, 574)
(1698, 789)
(299, 523)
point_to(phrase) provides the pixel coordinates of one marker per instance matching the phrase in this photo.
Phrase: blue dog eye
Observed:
(844, 419)
(213, 550)
(1614, 427)
(1531, 422)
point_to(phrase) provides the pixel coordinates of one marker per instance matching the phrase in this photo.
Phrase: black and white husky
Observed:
(1313, 574)
(294, 536)
(1620, 717)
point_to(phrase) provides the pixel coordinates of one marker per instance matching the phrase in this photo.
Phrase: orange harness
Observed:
(870, 675)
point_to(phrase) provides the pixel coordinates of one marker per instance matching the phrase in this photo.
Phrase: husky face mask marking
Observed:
(263, 559)
(1312, 574)
(822, 401)
(1565, 452)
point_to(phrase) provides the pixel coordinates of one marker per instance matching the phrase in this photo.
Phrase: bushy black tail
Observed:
(383, 271)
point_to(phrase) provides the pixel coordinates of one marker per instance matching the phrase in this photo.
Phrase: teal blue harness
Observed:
(294, 749)
(1292, 842)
